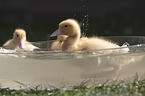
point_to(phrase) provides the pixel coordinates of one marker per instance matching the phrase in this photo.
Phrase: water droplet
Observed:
(107, 31)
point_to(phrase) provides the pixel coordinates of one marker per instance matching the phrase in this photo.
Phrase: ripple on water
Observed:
(47, 54)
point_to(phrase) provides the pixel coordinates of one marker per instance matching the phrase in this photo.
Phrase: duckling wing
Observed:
(98, 43)
(95, 43)
(29, 46)
(9, 44)
(82, 44)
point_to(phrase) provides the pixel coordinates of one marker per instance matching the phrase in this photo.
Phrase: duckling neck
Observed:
(74, 39)
(70, 43)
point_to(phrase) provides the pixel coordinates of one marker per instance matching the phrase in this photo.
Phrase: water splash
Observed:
(84, 14)
(85, 21)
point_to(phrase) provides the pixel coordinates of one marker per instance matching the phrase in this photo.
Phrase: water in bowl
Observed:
(56, 68)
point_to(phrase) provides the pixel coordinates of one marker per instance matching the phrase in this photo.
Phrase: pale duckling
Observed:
(19, 41)
(57, 45)
(71, 28)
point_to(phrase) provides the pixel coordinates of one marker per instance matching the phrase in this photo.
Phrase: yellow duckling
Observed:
(71, 28)
(57, 45)
(19, 41)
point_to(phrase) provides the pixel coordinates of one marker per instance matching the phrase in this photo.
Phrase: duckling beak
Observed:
(57, 32)
(21, 44)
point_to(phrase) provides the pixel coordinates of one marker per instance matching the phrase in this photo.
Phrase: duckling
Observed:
(71, 28)
(57, 45)
(19, 41)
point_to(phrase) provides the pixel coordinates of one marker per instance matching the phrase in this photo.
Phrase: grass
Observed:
(113, 88)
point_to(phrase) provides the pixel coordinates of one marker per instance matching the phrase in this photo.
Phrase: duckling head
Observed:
(19, 38)
(69, 27)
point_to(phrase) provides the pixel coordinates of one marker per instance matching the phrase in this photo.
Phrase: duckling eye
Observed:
(65, 25)
(60, 40)
(17, 35)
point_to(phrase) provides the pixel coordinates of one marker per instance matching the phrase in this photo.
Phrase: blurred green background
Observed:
(97, 17)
